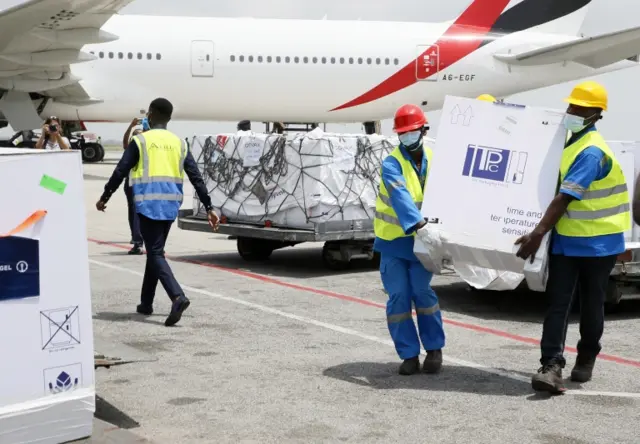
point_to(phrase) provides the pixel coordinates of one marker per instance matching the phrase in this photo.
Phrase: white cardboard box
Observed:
(495, 171)
(47, 390)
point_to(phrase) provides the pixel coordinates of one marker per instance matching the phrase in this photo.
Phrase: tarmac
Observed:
(288, 351)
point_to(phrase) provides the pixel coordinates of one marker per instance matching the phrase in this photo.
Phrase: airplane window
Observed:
(315, 60)
(296, 59)
(149, 56)
(101, 54)
(250, 58)
(396, 61)
(130, 55)
(378, 61)
(110, 55)
(324, 60)
(208, 57)
(139, 56)
(386, 61)
(92, 52)
(233, 58)
(278, 59)
(341, 60)
(158, 56)
(259, 59)
(241, 58)
(333, 60)
(359, 60)
(350, 60)
(306, 59)
(120, 55)
(369, 61)
(269, 59)
(287, 59)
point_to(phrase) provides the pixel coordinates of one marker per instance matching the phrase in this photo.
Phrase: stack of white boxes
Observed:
(47, 390)
(495, 171)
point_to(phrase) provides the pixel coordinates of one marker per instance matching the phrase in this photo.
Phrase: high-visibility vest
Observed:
(156, 180)
(604, 207)
(386, 224)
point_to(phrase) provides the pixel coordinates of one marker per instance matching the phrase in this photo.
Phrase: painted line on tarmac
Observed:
(355, 333)
(361, 301)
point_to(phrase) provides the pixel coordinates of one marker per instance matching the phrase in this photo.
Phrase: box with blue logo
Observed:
(47, 374)
(494, 172)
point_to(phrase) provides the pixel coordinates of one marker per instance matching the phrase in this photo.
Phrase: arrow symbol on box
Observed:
(455, 114)
(468, 114)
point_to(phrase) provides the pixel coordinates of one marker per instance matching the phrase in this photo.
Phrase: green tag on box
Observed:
(52, 184)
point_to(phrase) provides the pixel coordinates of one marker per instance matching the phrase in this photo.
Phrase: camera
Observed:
(53, 128)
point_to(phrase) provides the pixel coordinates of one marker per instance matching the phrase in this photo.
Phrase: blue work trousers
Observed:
(154, 234)
(408, 282)
(134, 220)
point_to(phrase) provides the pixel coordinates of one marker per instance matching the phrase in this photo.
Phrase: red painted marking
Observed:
(357, 300)
(462, 38)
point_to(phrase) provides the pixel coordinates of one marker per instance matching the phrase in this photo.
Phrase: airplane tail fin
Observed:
(545, 16)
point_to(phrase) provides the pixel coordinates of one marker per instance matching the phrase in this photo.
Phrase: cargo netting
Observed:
(291, 180)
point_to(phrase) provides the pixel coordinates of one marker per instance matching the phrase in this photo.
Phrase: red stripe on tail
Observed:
(462, 38)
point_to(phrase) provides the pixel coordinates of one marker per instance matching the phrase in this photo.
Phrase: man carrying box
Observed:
(397, 219)
(589, 217)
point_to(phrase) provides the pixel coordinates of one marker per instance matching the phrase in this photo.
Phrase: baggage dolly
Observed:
(343, 240)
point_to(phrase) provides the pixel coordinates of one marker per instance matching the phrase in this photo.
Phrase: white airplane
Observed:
(81, 61)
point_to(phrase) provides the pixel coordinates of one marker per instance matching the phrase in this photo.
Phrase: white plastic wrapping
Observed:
(292, 181)
(49, 420)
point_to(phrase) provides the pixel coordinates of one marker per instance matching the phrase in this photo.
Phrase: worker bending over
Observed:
(397, 219)
(589, 217)
(157, 160)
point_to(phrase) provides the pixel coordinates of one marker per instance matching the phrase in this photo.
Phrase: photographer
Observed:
(51, 137)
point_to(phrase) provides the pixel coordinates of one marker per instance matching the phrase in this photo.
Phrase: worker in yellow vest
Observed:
(588, 217)
(397, 219)
(156, 161)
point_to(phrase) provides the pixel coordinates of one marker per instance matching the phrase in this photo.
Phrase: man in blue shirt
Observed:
(588, 217)
(397, 219)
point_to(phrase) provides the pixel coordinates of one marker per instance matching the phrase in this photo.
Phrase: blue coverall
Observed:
(403, 276)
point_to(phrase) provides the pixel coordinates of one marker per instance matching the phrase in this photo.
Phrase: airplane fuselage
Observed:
(292, 70)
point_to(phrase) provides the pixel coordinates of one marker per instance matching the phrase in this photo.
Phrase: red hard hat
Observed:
(409, 118)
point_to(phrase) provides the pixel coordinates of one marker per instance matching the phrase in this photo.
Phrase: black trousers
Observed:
(154, 234)
(586, 277)
(134, 221)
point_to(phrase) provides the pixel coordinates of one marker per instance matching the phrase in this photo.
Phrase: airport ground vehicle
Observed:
(87, 143)
(343, 240)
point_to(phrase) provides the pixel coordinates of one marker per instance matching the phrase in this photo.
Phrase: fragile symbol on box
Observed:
(62, 379)
(496, 164)
(60, 328)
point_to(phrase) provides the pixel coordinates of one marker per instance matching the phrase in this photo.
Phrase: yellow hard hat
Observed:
(589, 94)
(486, 98)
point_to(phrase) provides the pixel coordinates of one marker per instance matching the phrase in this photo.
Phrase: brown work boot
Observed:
(433, 361)
(583, 370)
(549, 379)
(410, 366)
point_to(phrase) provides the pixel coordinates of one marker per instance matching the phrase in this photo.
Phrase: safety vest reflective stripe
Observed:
(387, 201)
(156, 179)
(597, 214)
(157, 196)
(605, 192)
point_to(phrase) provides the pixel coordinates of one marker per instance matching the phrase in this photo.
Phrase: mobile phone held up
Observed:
(53, 128)
(145, 124)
